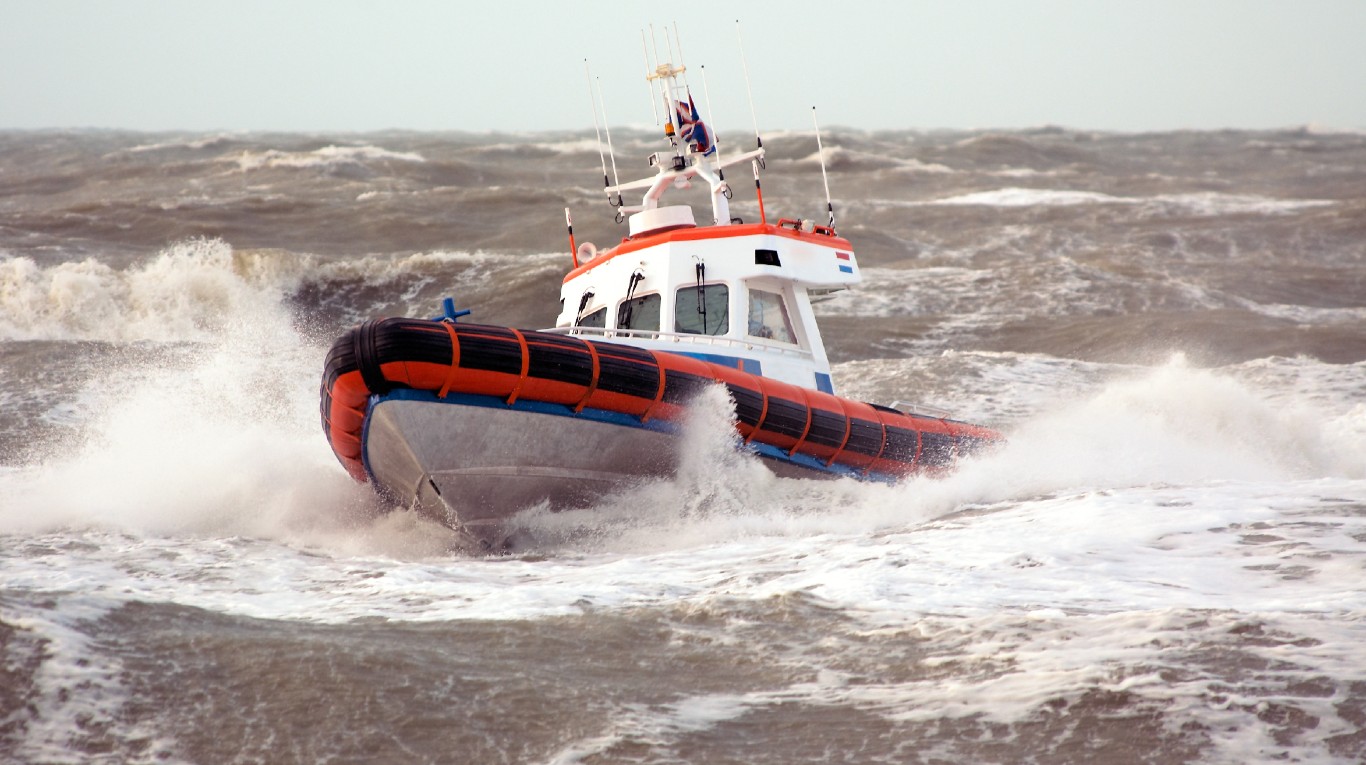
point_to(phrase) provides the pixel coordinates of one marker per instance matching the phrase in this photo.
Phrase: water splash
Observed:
(1168, 425)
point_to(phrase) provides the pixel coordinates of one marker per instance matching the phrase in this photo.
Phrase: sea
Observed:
(1164, 561)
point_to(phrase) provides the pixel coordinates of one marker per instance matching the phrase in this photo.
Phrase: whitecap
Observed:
(327, 156)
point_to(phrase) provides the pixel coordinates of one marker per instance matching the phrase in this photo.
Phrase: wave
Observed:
(186, 293)
(206, 425)
(1196, 203)
(840, 159)
(570, 146)
(225, 439)
(1129, 429)
(194, 290)
(977, 298)
(327, 156)
(204, 142)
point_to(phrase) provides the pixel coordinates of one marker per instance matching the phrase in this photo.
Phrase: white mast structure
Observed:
(737, 295)
(694, 152)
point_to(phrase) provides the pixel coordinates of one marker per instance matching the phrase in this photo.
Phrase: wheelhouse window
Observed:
(702, 312)
(768, 317)
(597, 318)
(639, 313)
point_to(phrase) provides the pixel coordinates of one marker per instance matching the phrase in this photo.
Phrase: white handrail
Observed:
(688, 338)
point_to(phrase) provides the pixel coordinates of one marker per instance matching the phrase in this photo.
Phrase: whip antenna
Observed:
(820, 152)
(596, 131)
(758, 162)
(679, 42)
(649, 72)
(569, 224)
(607, 127)
(654, 45)
(715, 139)
(661, 73)
(759, 142)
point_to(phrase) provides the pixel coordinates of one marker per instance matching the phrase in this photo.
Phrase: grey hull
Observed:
(472, 467)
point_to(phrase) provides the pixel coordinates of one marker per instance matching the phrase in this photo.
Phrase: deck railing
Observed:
(748, 344)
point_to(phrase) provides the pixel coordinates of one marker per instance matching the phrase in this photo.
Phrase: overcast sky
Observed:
(335, 65)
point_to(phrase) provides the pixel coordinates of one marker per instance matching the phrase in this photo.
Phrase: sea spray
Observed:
(1168, 425)
(713, 478)
(200, 419)
(189, 292)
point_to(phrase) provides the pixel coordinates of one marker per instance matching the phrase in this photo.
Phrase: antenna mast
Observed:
(569, 224)
(757, 163)
(665, 74)
(649, 70)
(596, 131)
(715, 138)
(820, 152)
(607, 127)
(758, 142)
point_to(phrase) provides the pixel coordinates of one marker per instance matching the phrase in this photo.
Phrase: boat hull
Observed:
(471, 462)
(473, 423)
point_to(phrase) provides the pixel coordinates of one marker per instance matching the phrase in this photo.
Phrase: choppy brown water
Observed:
(1162, 567)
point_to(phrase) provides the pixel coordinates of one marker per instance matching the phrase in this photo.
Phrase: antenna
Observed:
(820, 152)
(596, 131)
(715, 139)
(657, 74)
(654, 44)
(670, 85)
(759, 142)
(758, 162)
(649, 72)
(569, 224)
(759, 191)
(679, 42)
(616, 179)
(669, 46)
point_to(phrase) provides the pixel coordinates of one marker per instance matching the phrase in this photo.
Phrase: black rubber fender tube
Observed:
(367, 356)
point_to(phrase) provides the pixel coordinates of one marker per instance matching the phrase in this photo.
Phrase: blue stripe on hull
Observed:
(751, 366)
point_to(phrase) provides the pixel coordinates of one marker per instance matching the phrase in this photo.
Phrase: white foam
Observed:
(203, 142)
(569, 146)
(657, 727)
(1005, 669)
(327, 156)
(196, 290)
(1133, 519)
(1143, 465)
(1214, 204)
(79, 701)
(998, 388)
(966, 297)
(217, 437)
(1019, 197)
(186, 293)
(223, 439)
(833, 155)
(1197, 203)
(1310, 315)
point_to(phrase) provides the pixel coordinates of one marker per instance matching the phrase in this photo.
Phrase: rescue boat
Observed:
(471, 423)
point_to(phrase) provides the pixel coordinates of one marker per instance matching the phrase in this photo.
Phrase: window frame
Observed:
(598, 315)
(659, 312)
(786, 315)
(691, 300)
